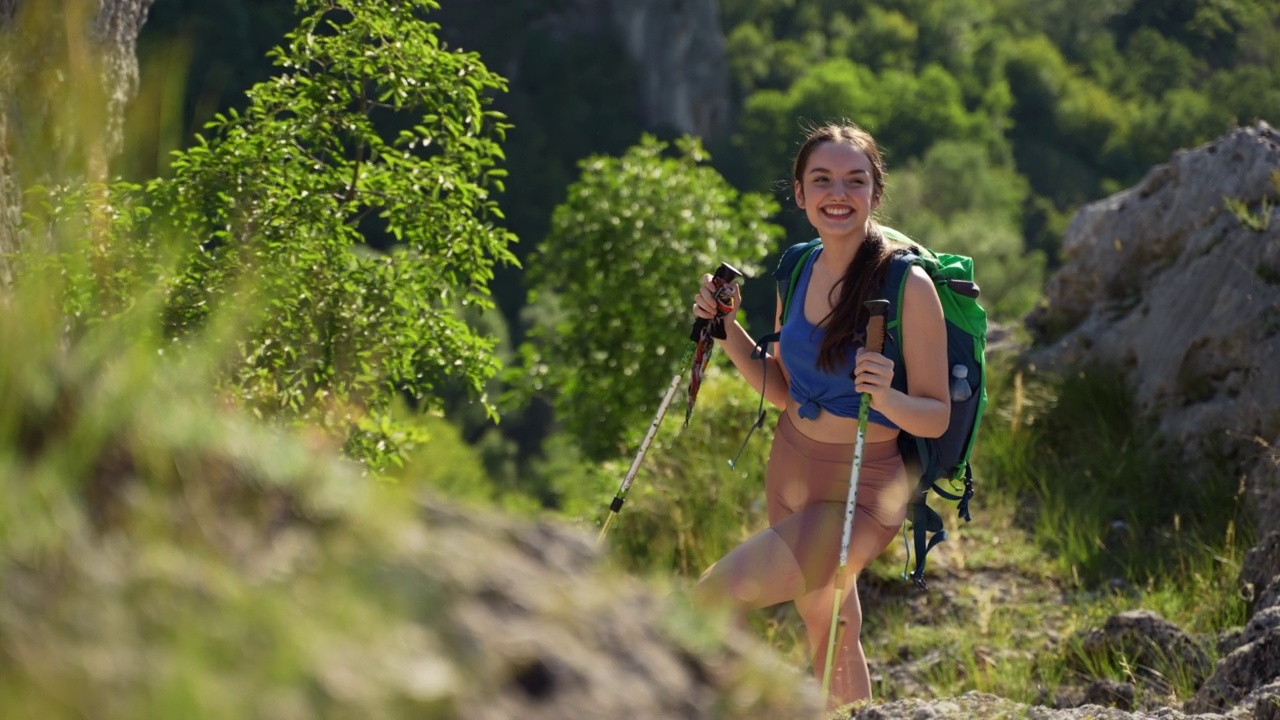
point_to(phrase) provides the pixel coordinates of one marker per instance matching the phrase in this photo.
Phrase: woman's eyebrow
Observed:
(856, 171)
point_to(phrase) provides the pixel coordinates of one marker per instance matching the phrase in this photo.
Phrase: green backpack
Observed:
(942, 463)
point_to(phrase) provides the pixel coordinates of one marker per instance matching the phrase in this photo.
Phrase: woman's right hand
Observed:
(705, 305)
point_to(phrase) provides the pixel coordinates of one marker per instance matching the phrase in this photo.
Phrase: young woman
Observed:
(816, 377)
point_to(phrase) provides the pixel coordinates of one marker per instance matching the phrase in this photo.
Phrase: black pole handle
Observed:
(723, 279)
(879, 310)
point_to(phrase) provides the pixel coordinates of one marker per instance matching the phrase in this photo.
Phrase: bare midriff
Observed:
(830, 428)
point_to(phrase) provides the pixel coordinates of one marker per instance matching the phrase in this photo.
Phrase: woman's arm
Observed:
(738, 345)
(925, 409)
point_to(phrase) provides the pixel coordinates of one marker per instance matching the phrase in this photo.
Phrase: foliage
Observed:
(957, 199)
(354, 192)
(1258, 222)
(624, 258)
(687, 507)
(1085, 95)
(905, 112)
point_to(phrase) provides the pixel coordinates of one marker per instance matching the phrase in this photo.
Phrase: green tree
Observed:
(957, 199)
(1157, 65)
(883, 39)
(370, 130)
(1250, 92)
(906, 112)
(623, 259)
(1210, 29)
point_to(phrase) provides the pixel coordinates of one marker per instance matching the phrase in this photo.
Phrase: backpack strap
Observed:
(893, 290)
(790, 265)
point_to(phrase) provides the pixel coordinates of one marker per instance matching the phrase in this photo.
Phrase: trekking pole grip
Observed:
(879, 310)
(723, 279)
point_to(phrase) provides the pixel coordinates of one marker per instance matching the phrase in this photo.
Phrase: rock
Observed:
(984, 705)
(1110, 693)
(1153, 646)
(1166, 281)
(1264, 703)
(1261, 569)
(1250, 672)
(678, 50)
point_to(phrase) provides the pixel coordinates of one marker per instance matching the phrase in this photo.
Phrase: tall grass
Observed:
(1103, 493)
(687, 507)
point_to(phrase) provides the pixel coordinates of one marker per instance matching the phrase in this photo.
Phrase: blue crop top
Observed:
(814, 389)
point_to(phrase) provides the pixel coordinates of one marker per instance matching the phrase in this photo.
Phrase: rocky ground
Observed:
(1245, 683)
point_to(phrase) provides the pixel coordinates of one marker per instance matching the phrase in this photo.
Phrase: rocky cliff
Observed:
(1177, 280)
(678, 49)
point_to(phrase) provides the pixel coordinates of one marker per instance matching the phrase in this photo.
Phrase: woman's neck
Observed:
(838, 252)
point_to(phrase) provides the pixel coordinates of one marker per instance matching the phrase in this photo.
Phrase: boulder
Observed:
(1177, 280)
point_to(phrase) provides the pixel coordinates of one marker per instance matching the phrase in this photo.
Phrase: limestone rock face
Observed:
(113, 32)
(1178, 280)
(678, 49)
(117, 26)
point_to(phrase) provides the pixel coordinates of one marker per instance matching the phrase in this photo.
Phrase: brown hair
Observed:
(864, 276)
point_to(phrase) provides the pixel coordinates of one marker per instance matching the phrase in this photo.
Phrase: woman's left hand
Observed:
(873, 374)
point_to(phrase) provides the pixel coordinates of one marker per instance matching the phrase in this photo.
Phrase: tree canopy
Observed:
(624, 257)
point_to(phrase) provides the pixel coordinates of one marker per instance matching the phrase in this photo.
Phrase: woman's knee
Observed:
(711, 590)
(758, 573)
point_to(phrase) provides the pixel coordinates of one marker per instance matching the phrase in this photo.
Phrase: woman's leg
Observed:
(850, 678)
(763, 571)
(814, 534)
(796, 557)
(760, 572)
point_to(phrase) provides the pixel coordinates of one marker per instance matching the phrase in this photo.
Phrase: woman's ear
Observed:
(799, 195)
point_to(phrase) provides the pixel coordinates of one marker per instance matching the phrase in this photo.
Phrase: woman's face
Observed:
(836, 190)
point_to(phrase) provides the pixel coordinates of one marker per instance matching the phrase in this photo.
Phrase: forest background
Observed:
(497, 299)
(998, 119)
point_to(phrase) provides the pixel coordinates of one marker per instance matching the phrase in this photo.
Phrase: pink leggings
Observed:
(795, 558)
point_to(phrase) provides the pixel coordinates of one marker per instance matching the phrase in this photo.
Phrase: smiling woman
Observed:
(824, 371)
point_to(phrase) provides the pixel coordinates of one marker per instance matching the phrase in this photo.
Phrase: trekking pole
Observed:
(699, 349)
(875, 343)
